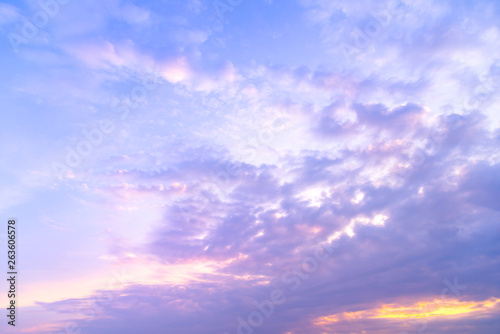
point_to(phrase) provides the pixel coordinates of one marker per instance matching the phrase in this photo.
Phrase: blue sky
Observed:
(175, 165)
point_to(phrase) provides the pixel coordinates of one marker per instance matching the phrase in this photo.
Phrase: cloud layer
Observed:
(255, 167)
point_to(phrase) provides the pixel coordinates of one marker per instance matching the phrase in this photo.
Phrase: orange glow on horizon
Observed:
(419, 310)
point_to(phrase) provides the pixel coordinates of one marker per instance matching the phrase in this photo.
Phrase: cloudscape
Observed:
(250, 166)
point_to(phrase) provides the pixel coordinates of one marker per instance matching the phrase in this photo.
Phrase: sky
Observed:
(264, 166)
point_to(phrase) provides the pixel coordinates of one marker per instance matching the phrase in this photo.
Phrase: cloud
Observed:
(220, 186)
(135, 15)
(257, 228)
(8, 14)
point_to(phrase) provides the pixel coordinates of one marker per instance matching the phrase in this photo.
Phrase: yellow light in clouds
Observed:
(427, 309)
(334, 237)
(315, 195)
(379, 220)
(358, 198)
(349, 231)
